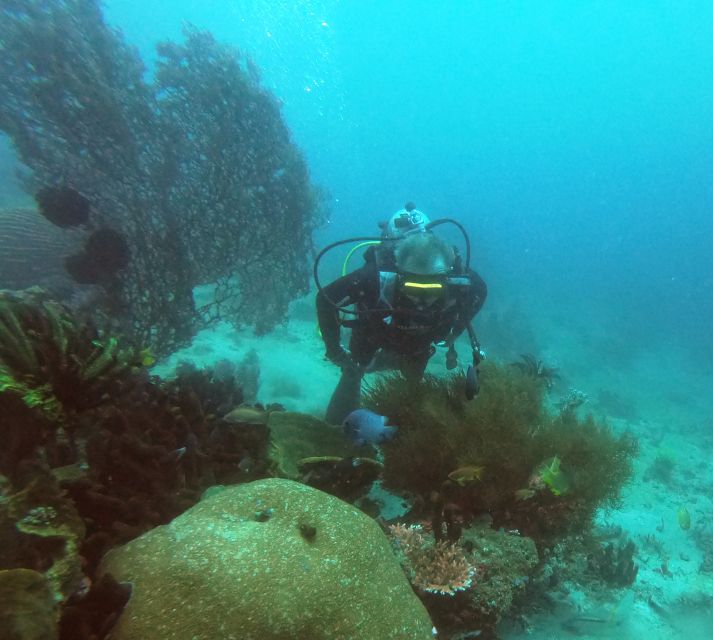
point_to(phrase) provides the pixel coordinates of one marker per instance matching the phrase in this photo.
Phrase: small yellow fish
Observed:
(550, 474)
(684, 519)
(553, 464)
(247, 415)
(525, 494)
(146, 357)
(464, 476)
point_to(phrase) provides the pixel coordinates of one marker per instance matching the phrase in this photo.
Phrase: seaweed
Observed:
(509, 432)
(614, 563)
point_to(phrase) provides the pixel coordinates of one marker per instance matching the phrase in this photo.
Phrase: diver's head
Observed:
(424, 254)
(405, 222)
(423, 262)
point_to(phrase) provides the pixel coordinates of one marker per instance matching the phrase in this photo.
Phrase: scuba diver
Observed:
(413, 291)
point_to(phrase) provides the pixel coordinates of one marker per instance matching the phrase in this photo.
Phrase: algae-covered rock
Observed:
(40, 527)
(272, 559)
(294, 436)
(504, 563)
(27, 606)
(507, 560)
(346, 478)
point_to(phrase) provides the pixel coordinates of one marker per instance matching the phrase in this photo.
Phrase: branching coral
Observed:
(614, 563)
(433, 566)
(196, 170)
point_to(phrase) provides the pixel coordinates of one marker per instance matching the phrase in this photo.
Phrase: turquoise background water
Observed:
(574, 139)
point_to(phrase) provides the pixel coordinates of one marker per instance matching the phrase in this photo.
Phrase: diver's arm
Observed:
(343, 291)
(471, 303)
(328, 319)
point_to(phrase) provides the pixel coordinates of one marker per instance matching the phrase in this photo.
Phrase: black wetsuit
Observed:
(403, 333)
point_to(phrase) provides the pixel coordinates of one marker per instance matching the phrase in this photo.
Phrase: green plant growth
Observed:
(662, 467)
(53, 362)
(542, 473)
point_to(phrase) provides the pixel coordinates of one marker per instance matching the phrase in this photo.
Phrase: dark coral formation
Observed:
(196, 170)
(32, 250)
(97, 452)
(537, 369)
(104, 253)
(613, 563)
(63, 206)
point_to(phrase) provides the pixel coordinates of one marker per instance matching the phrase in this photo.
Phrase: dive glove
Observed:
(341, 357)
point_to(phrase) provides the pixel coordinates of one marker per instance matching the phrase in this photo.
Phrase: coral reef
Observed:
(102, 453)
(585, 582)
(196, 170)
(27, 607)
(266, 560)
(53, 361)
(614, 563)
(53, 366)
(348, 478)
(96, 452)
(295, 436)
(505, 562)
(41, 530)
(469, 585)
(433, 566)
(510, 434)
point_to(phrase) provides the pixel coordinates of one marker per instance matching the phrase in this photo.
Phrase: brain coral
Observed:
(266, 560)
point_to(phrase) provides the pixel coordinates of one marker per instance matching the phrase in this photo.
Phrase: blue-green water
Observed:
(572, 138)
(574, 141)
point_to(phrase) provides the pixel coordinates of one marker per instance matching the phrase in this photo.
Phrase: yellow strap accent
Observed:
(424, 285)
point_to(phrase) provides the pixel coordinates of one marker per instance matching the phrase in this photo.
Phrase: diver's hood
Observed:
(425, 264)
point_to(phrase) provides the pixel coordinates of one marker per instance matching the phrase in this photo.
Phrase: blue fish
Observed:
(366, 427)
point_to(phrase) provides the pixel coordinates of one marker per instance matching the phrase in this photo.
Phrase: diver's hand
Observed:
(342, 358)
